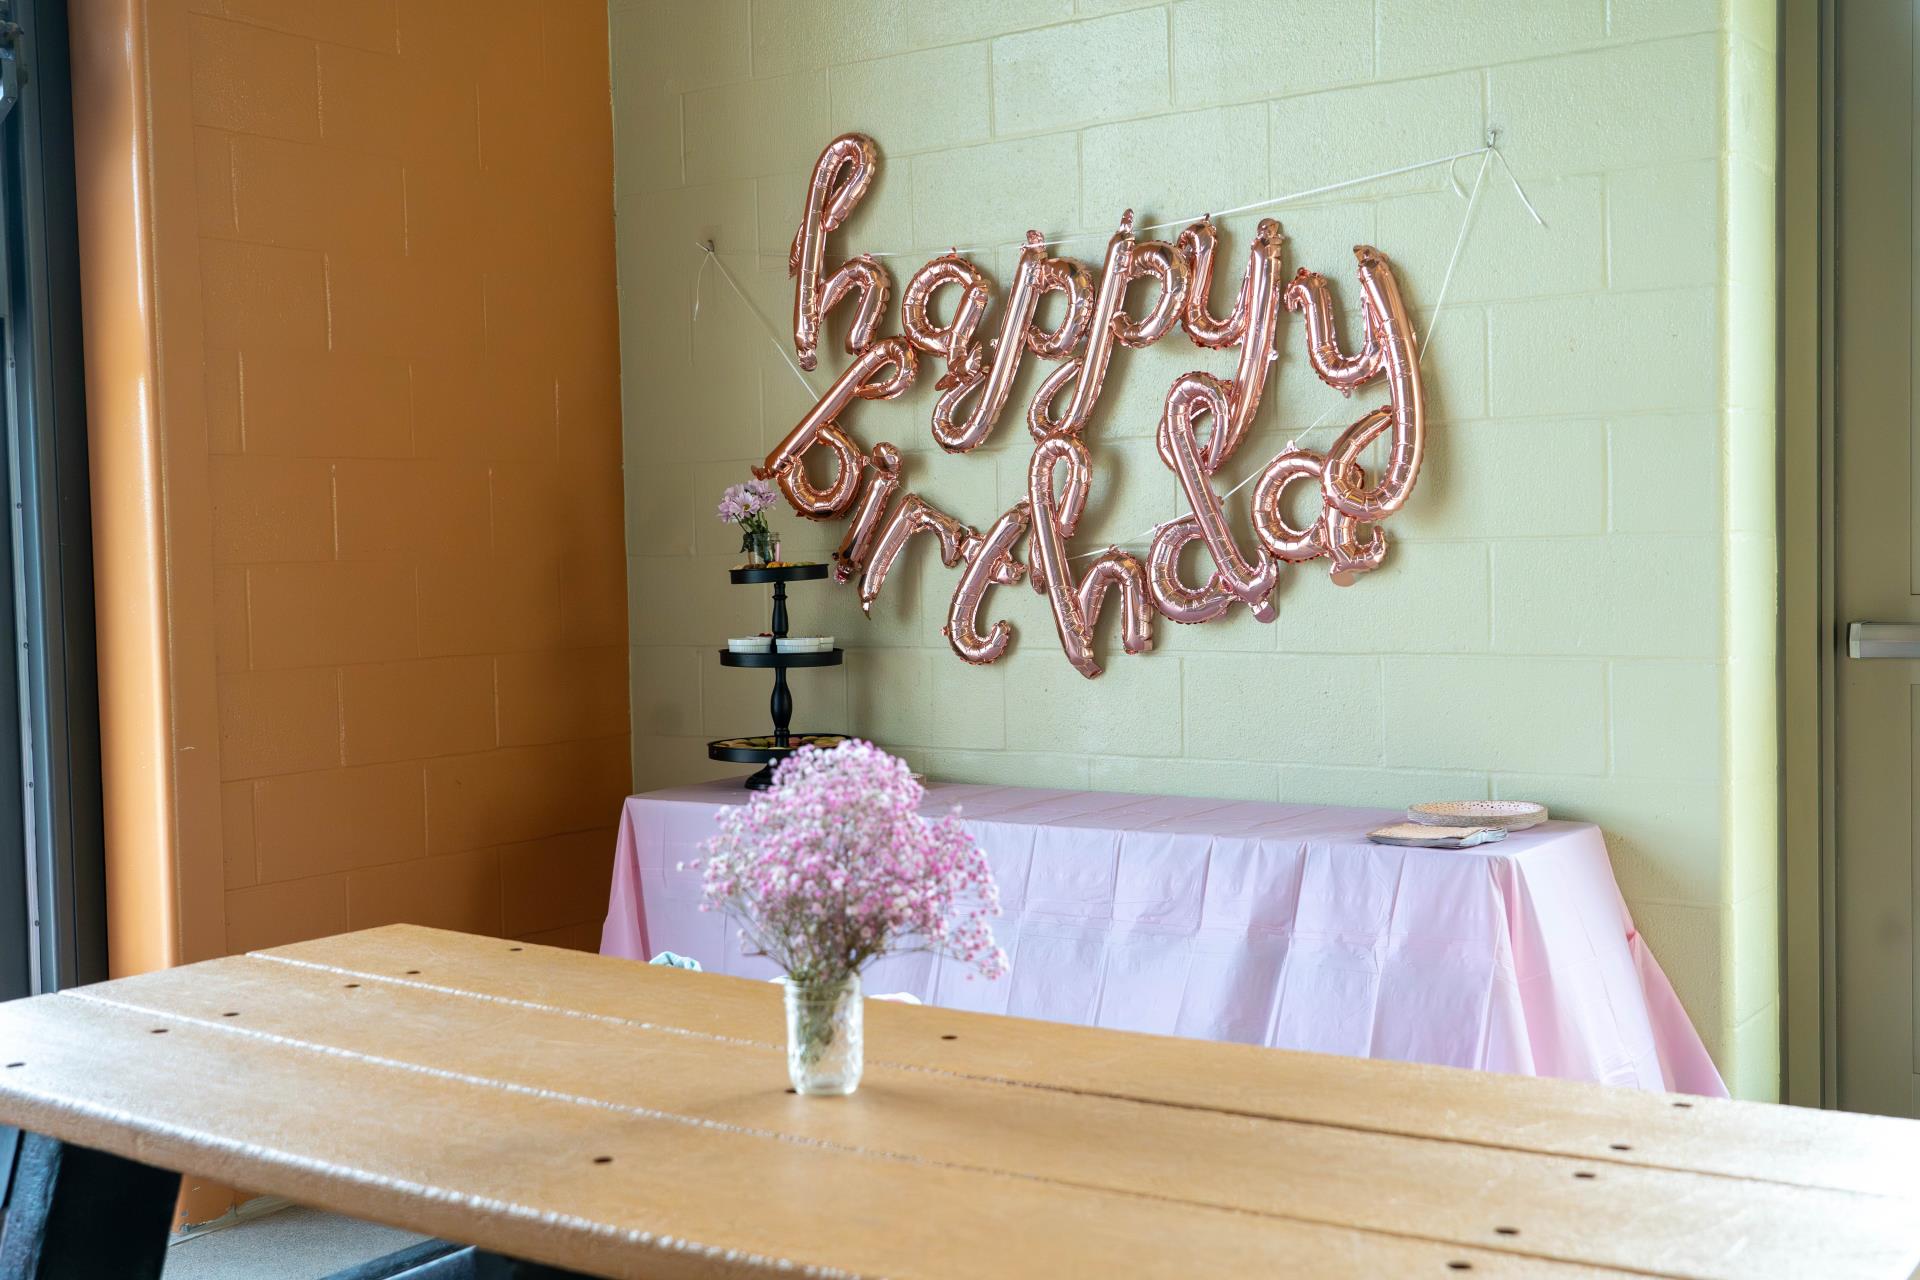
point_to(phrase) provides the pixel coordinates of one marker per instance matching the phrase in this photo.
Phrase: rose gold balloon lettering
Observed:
(957, 435)
(989, 562)
(861, 381)
(914, 515)
(882, 480)
(841, 177)
(1393, 332)
(1191, 396)
(1076, 606)
(1205, 419)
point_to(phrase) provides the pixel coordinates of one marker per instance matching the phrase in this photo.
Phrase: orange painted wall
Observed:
(352, 346)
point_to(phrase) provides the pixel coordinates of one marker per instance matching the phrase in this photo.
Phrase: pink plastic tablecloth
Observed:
(1268, 924)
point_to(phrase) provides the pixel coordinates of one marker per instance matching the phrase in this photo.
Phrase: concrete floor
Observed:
(292, 1244)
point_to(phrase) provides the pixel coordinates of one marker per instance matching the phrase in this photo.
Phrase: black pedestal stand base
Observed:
(768, 751)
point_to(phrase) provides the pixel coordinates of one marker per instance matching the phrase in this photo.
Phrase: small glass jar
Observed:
(761, 546)
(824, 1029)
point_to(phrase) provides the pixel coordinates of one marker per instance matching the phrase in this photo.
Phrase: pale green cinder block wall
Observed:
(1578, 601)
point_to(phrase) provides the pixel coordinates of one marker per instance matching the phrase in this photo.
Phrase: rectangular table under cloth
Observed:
(563, 1110)
(1267, 924)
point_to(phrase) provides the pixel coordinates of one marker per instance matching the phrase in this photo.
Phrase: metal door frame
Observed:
(46, 541)
(1808, 628)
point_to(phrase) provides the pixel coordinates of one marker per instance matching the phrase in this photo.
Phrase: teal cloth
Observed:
(674, 960)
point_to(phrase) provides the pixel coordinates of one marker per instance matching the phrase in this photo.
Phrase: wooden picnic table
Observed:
(617, 1119)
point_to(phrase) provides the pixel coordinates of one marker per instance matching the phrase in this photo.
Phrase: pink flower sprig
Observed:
(743, 503)
(833, 866)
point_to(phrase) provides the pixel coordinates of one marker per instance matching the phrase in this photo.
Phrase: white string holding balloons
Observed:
(1487, 153)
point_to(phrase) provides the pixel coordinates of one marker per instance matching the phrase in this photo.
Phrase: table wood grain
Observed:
(627, 1120)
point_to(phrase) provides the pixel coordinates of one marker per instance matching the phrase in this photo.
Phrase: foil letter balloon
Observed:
(1076, 605)
(1174, 598)
(914, 515)
(861, 381)
(1087, 373)
(1392, 333)
(883, 480)
(1259, 309)
(1197, 244)
(841, 177)
(954, 342)
(865, 277)
(1035, 274)
(1251, 581)
(989, 562)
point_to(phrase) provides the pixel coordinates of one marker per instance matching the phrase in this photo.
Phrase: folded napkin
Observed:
(674, 960)
(1425, 836)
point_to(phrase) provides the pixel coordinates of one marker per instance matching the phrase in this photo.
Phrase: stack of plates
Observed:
(1504, 815)
(1460, 824)
(750, 644)
(804, 644)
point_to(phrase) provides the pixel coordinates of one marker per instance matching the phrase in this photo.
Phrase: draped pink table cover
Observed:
(1264, 923)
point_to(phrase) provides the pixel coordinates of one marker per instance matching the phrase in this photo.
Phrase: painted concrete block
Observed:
(1665, 225)
(1080, 73)
(1416, 38)
(1493, 713)
(993, 194)
(913, 102)
(1664, 474)
(1612, 108)
(1404, 122)
(1294, 709)
(1508, 480)
(1133, 709)
(1601, 353)
(1175, 166)
(762, 127)
(801, 35)
(1235, 50)
(1665, 719)
(1429, 597)
(1624, 595)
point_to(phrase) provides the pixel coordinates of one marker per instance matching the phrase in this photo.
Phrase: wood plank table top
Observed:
(627, 1120)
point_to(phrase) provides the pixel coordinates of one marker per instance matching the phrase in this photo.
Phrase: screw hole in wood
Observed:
(949, 1037)
(231, 1013)
(1457, 1265)
(413, 973)
(603, 1159)
(1584, 1174)
(352, 985)
(1506, 1231)
(1619, 1146)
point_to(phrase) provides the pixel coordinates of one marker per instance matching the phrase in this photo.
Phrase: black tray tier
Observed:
(738, 750)
(785, 573)
(830, 658)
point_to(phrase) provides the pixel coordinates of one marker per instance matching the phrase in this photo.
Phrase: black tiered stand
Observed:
(769, 751)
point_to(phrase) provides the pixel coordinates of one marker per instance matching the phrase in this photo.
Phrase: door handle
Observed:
(1883, 640)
